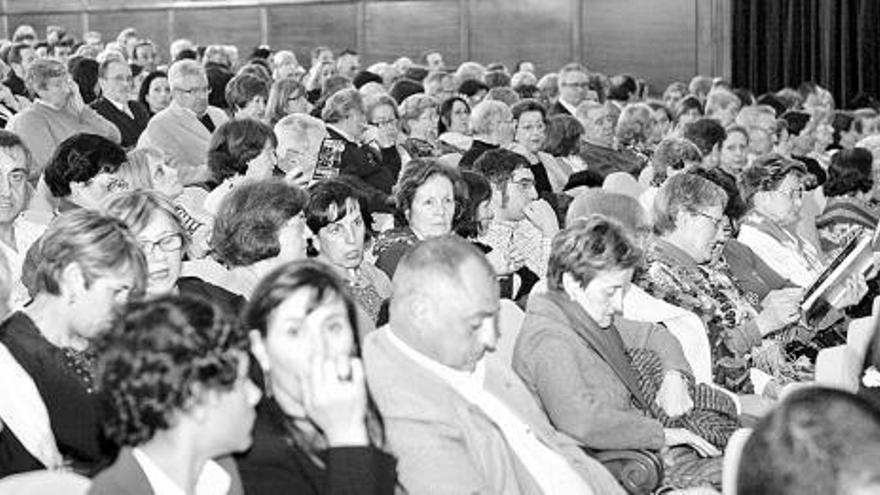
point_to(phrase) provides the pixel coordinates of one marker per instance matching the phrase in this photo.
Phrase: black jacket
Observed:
(129, 127)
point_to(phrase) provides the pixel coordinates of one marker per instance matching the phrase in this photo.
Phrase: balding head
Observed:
(445, 302)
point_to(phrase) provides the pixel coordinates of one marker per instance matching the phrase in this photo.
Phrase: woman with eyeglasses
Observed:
(162, 236)
(286, 96)
(530, 136)
(691, 217)
(88, 265)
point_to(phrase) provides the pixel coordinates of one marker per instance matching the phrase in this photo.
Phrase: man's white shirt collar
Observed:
(213, 479)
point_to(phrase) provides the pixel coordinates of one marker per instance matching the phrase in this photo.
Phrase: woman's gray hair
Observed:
(487, 114)
(686, 192)
(414, 106)
(341, 105)
(39, 73)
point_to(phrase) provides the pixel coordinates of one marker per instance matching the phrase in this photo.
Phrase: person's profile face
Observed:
(13, 183)
(520, 193)
(463, 317)
(231, 413)
(95, 306)
(602, 298)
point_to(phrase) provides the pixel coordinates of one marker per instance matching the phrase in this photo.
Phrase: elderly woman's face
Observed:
(433, 207)
(425, 126)
(93, 310)
(459, 117)
(531, 131)
(300, 334)
(162, 245)
(701, 232)
(782, 205)
(602, 298)
(342, 242)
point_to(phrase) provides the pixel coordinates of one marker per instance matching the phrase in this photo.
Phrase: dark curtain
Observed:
(836, 43)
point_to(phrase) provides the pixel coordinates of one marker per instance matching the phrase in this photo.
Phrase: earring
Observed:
(267, 383)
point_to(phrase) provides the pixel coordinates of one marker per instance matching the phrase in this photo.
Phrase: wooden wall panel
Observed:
(536, 30)
(651, 38)
(149, 24)
(72, 22)
(229, 26)
(303, 27)
(407, 28)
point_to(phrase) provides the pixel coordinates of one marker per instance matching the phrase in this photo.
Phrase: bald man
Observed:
(458, 420)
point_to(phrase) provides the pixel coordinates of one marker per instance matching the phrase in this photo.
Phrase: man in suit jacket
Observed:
(183, 130)
(573, 89)
(129, 116)
(459, 422)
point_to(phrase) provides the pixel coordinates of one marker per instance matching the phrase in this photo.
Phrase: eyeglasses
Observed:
(525, 183)
(168, 244)
(205, 90)
(717, 222)
(582, 85)
(540, 127)
(386, 122)
(126, 79)
(793, 193)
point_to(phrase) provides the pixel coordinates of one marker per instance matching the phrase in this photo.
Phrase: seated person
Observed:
(608, 382)
(129, 116)
(246, 95)
(299, 141)
(260, 226)
(190, 360)
(240, 150)
(458, 420)
(83, 171)
(418, 119)
(17, 234)
(342, 151)
(492, 127)
(818, 441)
(317, 431)
(162, 236)
(425, 207)
(57, 114)
(183, 130)
(89, 264)
(709, 137)
(848, 214)
(597, 144)
(522, 227)
(335, 216)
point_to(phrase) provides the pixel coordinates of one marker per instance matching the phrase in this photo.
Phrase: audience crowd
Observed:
(224, 275)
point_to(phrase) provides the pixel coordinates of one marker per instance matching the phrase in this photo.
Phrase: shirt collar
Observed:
(212, 480)
(456, 378)
(46, 103)
(122, 107)
(342, 133)
(568, 106)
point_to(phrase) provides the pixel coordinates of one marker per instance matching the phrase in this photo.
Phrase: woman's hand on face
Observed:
(781, 307)
(335, 398)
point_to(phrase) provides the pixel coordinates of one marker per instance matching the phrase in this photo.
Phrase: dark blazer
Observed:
(273, 465)
(475, 151)
(558, 109)
(194, 286)
(129, 127)
(377, 168)
(73, 411)
(125, 477)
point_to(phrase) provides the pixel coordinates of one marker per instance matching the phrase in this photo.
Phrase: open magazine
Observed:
(856, 258)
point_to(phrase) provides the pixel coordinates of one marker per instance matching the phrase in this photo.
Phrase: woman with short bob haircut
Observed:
(530, 136)
(240, 149)
(848, 214)
(304, 337)
(335, 215)
(174, 376)
(426, 197)
(246, 95)
(87, 266)
(286, 96)
(259, 226)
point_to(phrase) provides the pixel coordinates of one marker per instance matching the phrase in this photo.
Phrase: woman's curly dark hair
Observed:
(158, 357)
(850, 172)
(478, 190)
